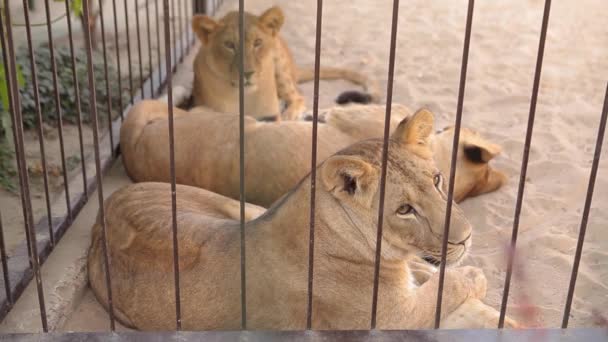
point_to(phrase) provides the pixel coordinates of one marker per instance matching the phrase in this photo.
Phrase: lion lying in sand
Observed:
(277, 155)
(140, 247)
(270, 72)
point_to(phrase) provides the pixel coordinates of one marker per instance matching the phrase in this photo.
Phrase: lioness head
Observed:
(415, 199)
(474, 175)
(221, 41)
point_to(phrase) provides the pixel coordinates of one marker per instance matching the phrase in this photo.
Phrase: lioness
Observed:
(270, 72)
(277, 155)
(138, 219)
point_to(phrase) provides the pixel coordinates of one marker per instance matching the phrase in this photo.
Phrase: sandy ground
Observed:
(500, 75)
(502, 60)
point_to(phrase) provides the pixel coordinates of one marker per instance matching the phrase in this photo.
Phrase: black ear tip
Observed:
(272, 118)
(473, 154)
(353, 96)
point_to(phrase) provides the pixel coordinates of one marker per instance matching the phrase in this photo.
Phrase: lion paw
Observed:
(479, 283)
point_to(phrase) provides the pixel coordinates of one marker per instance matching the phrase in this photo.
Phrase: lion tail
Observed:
(371, 93)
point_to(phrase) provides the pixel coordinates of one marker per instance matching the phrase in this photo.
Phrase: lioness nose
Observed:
(248, 74)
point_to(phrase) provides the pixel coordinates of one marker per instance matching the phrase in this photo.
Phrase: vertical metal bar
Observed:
(387, 125)
(11, 105)
(17, 122)
(129, 51)
(85, 189)
(178, 313)
(139, 59)
(452, 180)
(242, 158)
(105, 71)
(7, 280)
(187, 26)
(45, 175)
(87, 36)
(149, 48)
(158, 45)
(313, 162)
(117, 48)
(173, 31)
(587, 208)
(524, 163)
(180, 25)
(58, 108)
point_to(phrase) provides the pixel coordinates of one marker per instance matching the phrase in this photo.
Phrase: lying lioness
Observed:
(270, 73)
(138, 219)
(277, 155)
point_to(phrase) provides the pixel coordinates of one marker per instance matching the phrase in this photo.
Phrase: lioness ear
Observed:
(272, 20)
(416, 129)
(350, 179)
(480, 151)
(203, 26)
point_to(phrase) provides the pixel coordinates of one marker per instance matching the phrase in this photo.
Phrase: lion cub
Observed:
(270, 72)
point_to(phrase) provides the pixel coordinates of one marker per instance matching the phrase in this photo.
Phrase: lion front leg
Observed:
(474, 314)
(417, 311)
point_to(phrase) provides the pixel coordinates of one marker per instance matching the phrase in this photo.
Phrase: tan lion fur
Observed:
(277, 155)
(270, 72)
(138, 219)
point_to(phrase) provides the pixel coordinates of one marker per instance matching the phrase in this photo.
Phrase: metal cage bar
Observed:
(313, 162)
(117, 47)
(98, 169)
(45, 176)
(57, 108)
(105, 72)
(387, 126)
(128, 34)
(524, 163)
(68, 11)
(139, 59)
(149, 37)
(581, 236)
(242, 160)
(452, 180)
(7, 280)
(167, 28)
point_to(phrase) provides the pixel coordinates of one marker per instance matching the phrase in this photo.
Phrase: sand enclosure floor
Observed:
(503, 52)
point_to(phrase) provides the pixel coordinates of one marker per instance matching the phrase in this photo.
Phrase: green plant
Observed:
(66, 88)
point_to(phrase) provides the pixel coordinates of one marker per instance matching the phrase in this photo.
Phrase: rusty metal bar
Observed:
(524, 162)
(45, 175)
(85, 190)
(139, 59)
(452, 180)
(387, 126)
(581, 236)
(105, 71)
(158, 44)
(129, 51)
(173, 31)
(102, 216)
(17, 122)
(181, 26)
(7, 280)
(313, 161)
(15, 141)
(242, 159)
(187, 26)
(149, 49)
(178, 314)
(117, 48)
(58, 108)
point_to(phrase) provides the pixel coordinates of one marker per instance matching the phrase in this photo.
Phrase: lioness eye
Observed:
(405, 209)
(229, 45)
(257, 43)
(438, 180)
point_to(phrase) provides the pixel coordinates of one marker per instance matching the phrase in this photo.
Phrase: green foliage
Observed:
(5, 120)
(75, 6)
(67, 93)
(7, 169)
